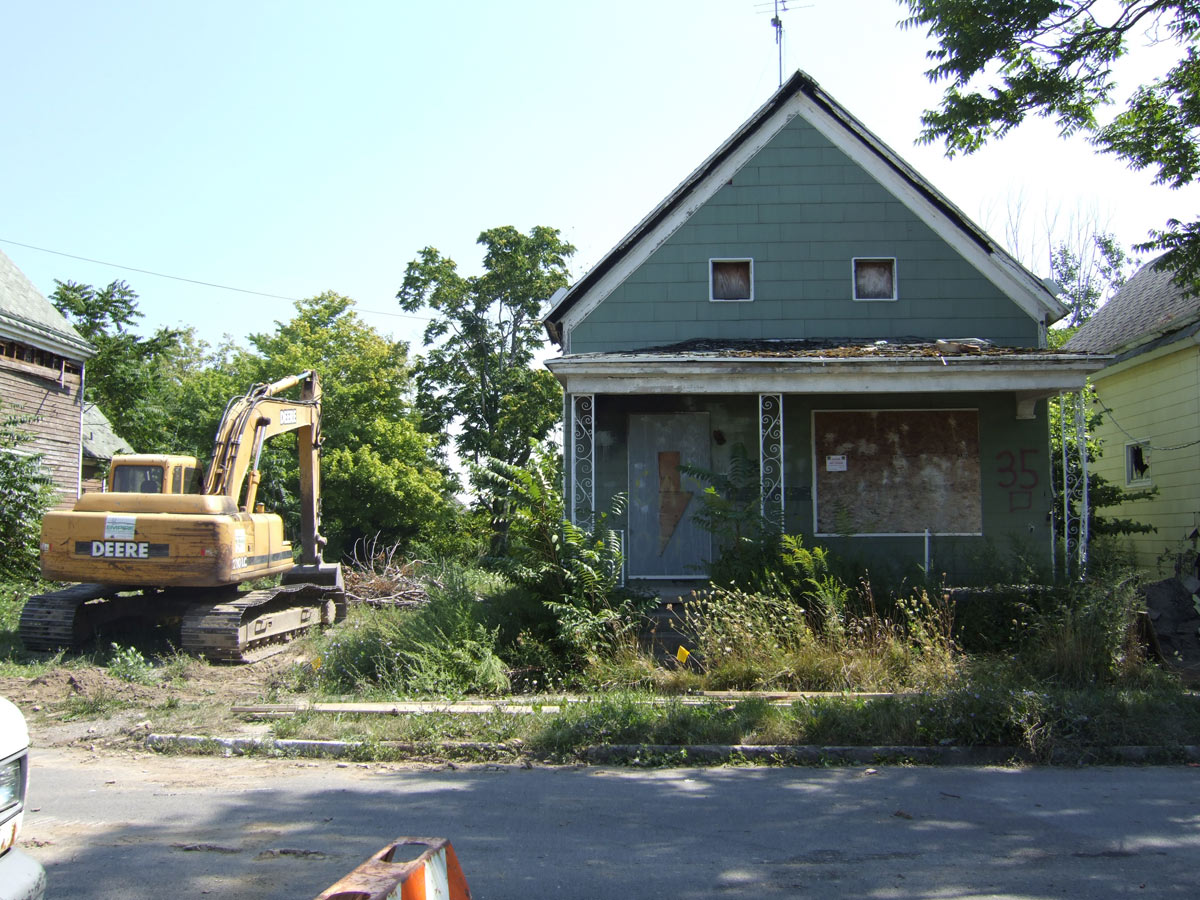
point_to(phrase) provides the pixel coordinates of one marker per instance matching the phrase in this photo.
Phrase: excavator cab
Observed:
(155, 474)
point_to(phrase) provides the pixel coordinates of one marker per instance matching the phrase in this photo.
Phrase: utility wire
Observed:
(1112, 418)
(222, 287)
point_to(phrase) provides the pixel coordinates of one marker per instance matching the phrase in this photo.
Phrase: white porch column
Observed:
(1075, 501)
(581, 463)
(770, 456)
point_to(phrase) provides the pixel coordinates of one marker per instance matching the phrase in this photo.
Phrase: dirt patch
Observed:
(84, 705)
(1175, 621)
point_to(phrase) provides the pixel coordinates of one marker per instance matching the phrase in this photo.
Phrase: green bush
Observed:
(438, 649)
(574, 574)
(26, 492)
(1086, 635)
(128, 664)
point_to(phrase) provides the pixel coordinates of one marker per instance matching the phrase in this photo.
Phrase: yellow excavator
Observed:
(162, 543)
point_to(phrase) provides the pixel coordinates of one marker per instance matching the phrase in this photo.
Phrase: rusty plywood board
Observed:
(897, 472)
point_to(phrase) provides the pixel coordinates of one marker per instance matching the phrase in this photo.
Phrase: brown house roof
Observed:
(1150, 305)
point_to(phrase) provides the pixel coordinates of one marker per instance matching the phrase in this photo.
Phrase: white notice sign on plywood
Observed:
(835, 463)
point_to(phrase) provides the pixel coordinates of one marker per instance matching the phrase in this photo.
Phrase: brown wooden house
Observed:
(41, 375)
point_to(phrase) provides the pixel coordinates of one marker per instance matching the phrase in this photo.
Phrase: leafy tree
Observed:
(26, 492)
(1088, 276)
(378, 470)
(124, 378)
(196, 383)
(1007, 59)
(482, 340)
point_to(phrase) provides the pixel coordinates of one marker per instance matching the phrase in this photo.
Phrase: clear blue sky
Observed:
(296, 147)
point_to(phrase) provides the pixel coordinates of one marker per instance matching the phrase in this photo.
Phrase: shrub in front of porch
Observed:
(748, 640)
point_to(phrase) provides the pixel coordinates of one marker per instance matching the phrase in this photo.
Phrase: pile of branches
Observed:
(377, 576)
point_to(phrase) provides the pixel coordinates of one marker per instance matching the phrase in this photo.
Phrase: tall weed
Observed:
(1089, 636)
(745, 640)
(574, 573)
(438, 649)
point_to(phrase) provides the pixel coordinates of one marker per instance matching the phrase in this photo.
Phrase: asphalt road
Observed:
(136, 827)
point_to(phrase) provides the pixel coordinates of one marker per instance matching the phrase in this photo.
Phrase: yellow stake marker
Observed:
(682, 654)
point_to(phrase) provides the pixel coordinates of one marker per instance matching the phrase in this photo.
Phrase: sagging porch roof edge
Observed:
(1033, 374)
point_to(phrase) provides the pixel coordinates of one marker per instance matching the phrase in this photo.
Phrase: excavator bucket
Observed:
(409, 869)
(325, 574)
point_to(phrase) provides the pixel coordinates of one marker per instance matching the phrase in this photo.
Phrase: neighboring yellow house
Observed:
(1150, 396)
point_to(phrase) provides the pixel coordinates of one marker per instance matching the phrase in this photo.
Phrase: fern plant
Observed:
(575, 572)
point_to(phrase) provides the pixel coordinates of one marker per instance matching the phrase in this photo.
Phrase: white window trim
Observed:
(1145, 480)
(854, 279)
(730, 259)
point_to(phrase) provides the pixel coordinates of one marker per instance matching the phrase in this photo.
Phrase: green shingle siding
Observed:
(802, 210)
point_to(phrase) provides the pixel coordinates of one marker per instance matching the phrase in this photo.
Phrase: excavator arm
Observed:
(249, 422)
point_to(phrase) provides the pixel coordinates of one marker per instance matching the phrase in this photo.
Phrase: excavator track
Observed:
(236, 627)
(257, 624)
(57, 620)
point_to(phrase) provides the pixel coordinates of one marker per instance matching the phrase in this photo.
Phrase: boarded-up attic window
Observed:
(731, 279)
(874, 279)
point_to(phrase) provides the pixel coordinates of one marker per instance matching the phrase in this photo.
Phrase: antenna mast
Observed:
(781, 7)
(777, 24)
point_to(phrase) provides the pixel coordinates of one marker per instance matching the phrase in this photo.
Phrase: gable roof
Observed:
(1149, 305)
(801, 95)
(100, 441)
(28, 317)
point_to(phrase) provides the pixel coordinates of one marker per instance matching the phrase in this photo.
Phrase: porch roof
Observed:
(828, 367)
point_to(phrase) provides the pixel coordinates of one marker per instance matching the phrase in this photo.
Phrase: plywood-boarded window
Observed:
(874, 279)
(897, 472)
(731, 279)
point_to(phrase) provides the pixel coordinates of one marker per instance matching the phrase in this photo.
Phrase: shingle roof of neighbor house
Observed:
(27, 316)
(99, 439)
(1149, 305)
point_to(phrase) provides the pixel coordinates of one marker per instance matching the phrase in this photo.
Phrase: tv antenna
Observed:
(780, 7)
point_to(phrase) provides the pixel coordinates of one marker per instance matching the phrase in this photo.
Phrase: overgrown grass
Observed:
(1041, 725)
(13, 660)
(1054, 669)
(743, 640)
(438, 649)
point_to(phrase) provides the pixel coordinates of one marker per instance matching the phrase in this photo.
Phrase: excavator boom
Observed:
(251, 420)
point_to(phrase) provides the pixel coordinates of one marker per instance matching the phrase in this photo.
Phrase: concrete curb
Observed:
(239, 746)
(792, 754)
(707, 754)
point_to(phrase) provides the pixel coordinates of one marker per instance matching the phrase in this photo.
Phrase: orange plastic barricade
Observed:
(409, 869)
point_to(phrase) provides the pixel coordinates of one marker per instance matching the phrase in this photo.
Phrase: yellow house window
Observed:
(1137, 462)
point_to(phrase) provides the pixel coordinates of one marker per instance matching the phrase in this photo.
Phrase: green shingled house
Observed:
(807, 301)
